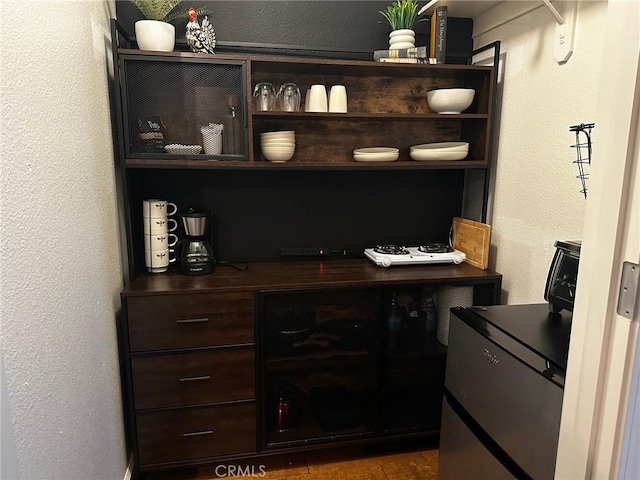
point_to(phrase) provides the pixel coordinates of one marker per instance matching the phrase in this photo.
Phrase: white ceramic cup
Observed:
(156, 261)
(307, 97)
(155, 226)
(160, 241)
(154, 208)
(338, 99)
(212, 141)
(317, 99)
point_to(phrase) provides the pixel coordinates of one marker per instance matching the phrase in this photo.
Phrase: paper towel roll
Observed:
(449, 296)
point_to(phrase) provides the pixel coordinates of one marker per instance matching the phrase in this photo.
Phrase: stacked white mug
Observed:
(157, 236)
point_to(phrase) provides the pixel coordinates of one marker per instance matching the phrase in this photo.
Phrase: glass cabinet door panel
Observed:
(320, 365)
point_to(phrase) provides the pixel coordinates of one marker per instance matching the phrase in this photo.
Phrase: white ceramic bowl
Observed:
(450, 100)
(278, 148)
(284, 133)
(290, 148)
(179, 149)
(278, 143)
(278, 140)
(278, 155)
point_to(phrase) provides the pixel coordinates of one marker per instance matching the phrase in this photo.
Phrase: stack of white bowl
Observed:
(278, 147)
(440, 151)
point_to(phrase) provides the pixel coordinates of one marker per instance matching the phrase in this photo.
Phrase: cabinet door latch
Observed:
(628, 289)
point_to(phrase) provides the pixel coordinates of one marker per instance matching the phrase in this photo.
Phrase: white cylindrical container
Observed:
(448, 297)
(338, 99)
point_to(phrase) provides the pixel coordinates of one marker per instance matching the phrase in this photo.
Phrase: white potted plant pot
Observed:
(403, 38)
(155, 35)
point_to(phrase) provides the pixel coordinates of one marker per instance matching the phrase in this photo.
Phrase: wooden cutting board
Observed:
(473, 239)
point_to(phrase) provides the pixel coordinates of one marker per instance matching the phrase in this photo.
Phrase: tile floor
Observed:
(413, 463)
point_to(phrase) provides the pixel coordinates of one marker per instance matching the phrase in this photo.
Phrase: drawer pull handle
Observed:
(196, 379)
(196, 434)
(193, 320)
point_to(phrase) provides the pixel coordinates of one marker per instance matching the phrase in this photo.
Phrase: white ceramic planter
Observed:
(404, 31)
(404, 38)
(155, 35)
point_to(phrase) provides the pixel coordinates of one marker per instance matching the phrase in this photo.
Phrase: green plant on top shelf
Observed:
(159, 9)
(401, 14)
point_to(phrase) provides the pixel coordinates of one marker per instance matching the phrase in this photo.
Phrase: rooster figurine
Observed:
(201, 38)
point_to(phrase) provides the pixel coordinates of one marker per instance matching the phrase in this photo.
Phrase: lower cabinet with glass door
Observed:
(348, 364)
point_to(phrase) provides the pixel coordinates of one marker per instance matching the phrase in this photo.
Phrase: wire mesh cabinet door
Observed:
(172, 105)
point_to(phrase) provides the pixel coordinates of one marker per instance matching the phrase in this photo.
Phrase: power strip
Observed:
(304, 252)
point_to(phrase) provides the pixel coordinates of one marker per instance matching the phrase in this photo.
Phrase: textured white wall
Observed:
(60, 258)
(536, 199)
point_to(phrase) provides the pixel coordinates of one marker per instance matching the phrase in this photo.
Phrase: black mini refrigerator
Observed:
(503, 392)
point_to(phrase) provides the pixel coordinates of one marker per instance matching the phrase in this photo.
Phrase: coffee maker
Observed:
(195, 253)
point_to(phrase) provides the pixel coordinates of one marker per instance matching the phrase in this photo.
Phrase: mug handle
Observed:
(174, 209)
(173, 240)
(175, 224)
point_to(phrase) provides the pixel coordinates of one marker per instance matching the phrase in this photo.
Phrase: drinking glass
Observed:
(289, 97)
(264, 97)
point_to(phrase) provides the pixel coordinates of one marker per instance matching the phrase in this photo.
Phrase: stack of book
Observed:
(404, 55)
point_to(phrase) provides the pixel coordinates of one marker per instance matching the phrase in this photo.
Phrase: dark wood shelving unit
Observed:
(179, 336)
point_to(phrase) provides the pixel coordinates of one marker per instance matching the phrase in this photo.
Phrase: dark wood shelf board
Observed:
(261, 165)
(307, 274)
(312, 62)
(366, 115)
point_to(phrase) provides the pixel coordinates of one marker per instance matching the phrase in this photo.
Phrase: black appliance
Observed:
(560, 290)
(195, 253)
(504, 385)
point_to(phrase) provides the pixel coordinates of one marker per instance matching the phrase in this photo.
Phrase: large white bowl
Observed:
(450, 100)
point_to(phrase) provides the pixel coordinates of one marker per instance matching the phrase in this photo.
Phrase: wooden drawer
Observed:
(193, 320)
(190, 378)
(196, 433)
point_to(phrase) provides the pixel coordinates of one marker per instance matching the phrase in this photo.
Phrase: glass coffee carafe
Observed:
(195, 253)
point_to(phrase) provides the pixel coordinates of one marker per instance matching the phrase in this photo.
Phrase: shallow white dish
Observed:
(426, 155)
(448, 101)
(376, 154)
(443, 146)
(179, 149)
(374, 150)
(381, 157)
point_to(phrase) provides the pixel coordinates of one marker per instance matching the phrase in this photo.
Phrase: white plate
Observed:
(420, 154)
(376, 157)
(443, 146)
(371, 150)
